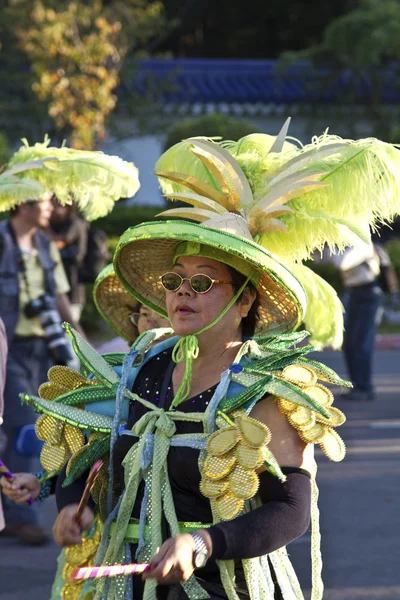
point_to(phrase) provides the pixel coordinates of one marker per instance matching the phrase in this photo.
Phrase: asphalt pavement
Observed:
(359, 503)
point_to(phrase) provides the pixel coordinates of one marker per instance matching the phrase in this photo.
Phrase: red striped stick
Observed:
(109, 571)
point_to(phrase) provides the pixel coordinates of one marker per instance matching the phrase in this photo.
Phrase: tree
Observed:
(76, 51)
(362, 49)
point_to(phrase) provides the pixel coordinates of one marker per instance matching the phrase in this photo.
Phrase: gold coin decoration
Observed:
(302, 417)
(44, 427)
(314, 435)
(51, 391)
(244, 483)
(61, 440)
(228, 506)
(254, 433)
(222, 441)
(249, 458)
(52, 457)
(212, 488)
(286, 406)
(299, 374)
(216, 467)
(321, 394)
(313, 427)
(229, 478)
(333, 446)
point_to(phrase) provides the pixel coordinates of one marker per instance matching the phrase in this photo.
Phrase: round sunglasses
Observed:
(200, 283)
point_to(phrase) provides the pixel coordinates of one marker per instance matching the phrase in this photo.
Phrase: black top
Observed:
(154, 384)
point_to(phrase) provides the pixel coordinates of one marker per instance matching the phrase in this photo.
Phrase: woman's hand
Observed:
(67, 530)
(21, 488)
(174, 561)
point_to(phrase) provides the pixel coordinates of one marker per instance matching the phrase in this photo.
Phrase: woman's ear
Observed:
(247, 300)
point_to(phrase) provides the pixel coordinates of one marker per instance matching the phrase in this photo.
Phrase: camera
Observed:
(45, 307)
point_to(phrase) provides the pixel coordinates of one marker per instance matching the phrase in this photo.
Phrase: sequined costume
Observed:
(264, 205)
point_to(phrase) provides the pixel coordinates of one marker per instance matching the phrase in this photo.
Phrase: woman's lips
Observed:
(184, 310)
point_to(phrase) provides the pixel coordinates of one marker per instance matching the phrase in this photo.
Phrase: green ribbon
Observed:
(187, 349)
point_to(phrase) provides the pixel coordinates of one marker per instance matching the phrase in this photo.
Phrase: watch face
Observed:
(200, 559)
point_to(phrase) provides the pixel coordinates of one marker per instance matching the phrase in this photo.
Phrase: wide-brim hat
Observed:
(147, 251)
(115, 303)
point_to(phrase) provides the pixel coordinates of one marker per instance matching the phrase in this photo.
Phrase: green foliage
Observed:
(215, 125)
(366, 42)
(74, 52)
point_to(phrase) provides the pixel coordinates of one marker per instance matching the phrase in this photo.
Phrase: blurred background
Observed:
(133, 77)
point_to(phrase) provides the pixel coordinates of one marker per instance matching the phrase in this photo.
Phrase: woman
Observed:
(216, 459)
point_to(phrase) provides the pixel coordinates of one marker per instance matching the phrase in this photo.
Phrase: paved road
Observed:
(359, 502)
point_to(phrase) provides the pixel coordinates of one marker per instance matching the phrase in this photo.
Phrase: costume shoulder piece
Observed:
(269, 366)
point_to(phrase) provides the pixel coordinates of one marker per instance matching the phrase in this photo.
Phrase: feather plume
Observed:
(324, 314)
(93, 180)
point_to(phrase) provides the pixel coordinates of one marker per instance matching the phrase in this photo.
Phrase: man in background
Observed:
(70, 234)
(33, 303)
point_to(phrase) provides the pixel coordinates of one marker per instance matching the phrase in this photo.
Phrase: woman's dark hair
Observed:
(248, 323)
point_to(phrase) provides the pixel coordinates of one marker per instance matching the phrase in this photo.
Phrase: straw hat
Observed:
(263, 206)
(115, 303)
(147, 251)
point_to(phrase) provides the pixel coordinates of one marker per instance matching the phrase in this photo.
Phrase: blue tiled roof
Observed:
(247, 81)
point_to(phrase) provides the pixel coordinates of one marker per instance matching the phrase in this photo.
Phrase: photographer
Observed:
(33, 304)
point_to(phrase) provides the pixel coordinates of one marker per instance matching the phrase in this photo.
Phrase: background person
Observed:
(31, 274)
(70, 234)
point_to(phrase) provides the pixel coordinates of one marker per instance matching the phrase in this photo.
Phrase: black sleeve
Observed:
(283, 516)
(72, 493)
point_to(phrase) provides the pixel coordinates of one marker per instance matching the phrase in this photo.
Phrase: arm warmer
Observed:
(283, 516)
(72, 493)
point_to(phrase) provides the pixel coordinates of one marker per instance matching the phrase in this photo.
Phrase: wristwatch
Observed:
(200, 556)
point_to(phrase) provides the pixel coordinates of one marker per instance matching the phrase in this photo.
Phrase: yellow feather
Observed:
(196, 214)
(196, 200)
(194, 184)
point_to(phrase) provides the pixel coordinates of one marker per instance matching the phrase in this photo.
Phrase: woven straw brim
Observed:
(115, 303)
(146, 252)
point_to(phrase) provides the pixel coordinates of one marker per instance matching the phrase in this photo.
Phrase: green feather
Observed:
(94, 180)
(77, 417)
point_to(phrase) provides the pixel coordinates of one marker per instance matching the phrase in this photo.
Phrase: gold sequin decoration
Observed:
(211, 488)
(62, 440)
(286, 405)
(313, 427)
(302, 417)
(321, 394)
(230, 478)
(243, 482)
(228, 506)
(254, 433)
(51, 391)
(337, 418)
(222, 441)
(333, 446)
(249, 458)
(74, 437)
(44, 427)
(299, 375)
(67, 377)
(52, 457)
(216, 467)
(314, 435)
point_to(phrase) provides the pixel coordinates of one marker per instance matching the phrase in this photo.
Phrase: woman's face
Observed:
(189, 312)
(149, 319)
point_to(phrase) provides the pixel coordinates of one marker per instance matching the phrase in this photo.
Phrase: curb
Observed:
(387, 342)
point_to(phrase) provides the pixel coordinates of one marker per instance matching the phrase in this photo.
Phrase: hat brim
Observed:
(115, 303)
(146, 251)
